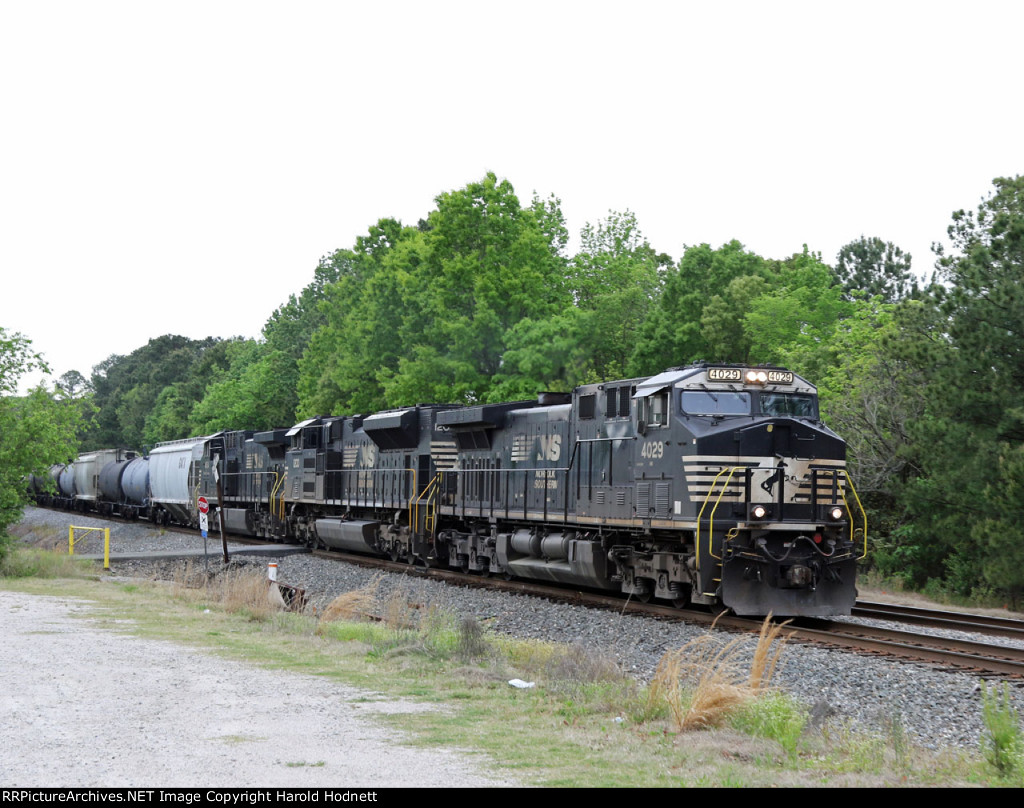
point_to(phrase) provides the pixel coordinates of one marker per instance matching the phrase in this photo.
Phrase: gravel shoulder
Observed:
(87, 707)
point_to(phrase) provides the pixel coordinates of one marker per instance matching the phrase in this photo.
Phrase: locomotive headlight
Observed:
(759, 512)
(756, 377)
(836, 513)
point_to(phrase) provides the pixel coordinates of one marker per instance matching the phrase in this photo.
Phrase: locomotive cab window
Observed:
(715, 403)
(653, 410)
(801, 406)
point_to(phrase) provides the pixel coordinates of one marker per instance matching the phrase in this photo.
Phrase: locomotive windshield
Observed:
(801, 406)
(720, 403)
(717, 403)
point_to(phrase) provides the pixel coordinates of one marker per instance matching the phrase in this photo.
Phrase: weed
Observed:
(471, 643)
(42, 537)
(773, 715)
(357, 604)
(437, 633)
(1002, 743)
(28, 562)
(247, 592)
(707, 679)
(899, 741)
(237, 588)
(237, 739)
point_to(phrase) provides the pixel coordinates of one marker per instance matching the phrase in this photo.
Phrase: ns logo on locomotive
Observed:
(705, 484)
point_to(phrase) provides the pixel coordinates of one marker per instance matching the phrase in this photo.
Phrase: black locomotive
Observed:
(707, 484)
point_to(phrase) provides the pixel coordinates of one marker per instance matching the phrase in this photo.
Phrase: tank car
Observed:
(124, 485)
(66, 487)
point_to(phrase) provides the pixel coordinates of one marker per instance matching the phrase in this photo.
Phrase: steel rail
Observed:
(936, 618)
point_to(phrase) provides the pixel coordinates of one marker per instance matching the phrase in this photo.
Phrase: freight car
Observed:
(707, 484)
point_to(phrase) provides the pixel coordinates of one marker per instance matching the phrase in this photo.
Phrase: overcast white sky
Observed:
(180, 167)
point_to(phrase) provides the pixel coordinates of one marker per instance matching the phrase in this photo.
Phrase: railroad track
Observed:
(981, 658)
(935, 618)
(985, 659)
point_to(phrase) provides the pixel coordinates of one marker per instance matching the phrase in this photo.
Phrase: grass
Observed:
(710, 717)
(1002, 740)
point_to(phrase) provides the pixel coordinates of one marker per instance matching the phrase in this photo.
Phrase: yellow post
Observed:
(106, 542)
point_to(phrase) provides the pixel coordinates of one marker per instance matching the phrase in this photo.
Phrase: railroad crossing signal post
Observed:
(204, 523)
(204, 515)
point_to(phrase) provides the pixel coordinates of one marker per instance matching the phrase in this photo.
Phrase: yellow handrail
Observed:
(270, 497)
(273, 492)
(428, 494)
(725, 487)
(863, 515)
(711, 525)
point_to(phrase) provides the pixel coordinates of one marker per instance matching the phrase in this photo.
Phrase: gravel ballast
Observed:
(936, 708)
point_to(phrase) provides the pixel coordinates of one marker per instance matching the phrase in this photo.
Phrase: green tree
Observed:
(616, 277)
(969, 348)
(672, 333)
(793, 324)
(368, 317)
(73, 385)
(37, 429)
(127, 388)
(872, 267)
(490, 263)
(722, 320)
(257, 392)
(427, 313)
(549, 354)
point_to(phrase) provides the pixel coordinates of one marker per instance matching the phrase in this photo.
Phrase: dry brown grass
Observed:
(762, 667)
(706, 679)
(357, 604)
(249, 592)
(398, 612)
(238, 589)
